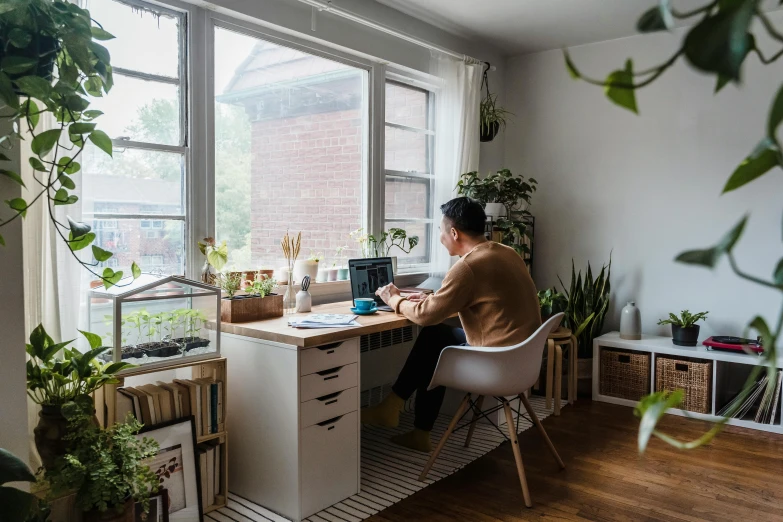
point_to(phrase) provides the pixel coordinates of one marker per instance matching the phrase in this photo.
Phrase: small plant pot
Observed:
(342, 274)
(126, 514)
(323, 275)
(332, 274)
(488, 132)
(305, 267)
(495, 210)
(49, 433)
(685, 336)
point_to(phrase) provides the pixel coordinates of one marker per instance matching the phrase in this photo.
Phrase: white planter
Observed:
(323, 275)
(394, 264)
(305, 267)
(495, 210)
(281, 274)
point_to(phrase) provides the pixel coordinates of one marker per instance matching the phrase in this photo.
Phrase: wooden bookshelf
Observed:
(213, 369)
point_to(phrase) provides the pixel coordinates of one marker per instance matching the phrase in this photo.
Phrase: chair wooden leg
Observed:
(558, 377)
(575, 349)
(550, 361)
(570, 379)
(453, 424)
(541, 430)
(476, 411)
(512, 433)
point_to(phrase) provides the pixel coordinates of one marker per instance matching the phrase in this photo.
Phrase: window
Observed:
(408, 166)
(135, 201)
(290, 138)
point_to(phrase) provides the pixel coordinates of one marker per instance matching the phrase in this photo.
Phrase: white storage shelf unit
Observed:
(728, 368)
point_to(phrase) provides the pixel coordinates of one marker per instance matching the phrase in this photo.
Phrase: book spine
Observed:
(221, 420)
(214, 397)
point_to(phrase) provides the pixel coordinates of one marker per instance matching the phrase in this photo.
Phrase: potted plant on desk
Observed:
(258, 303)
(685, 331)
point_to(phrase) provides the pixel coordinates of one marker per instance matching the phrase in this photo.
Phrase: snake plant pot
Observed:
(126, 514)
(244, 308)
(685, 336)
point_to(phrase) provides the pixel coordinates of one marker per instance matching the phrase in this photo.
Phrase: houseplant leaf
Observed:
(619, 88)
(100, 254)
(102, 141)
(761, 161)
(45, 141)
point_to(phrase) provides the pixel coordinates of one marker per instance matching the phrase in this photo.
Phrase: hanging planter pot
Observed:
(491, 117)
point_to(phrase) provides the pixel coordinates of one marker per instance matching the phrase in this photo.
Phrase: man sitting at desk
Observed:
(491, 289)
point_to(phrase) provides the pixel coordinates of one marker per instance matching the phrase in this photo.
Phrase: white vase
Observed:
(495, 210)
(304, 301)
(305, 267)
(631, 322)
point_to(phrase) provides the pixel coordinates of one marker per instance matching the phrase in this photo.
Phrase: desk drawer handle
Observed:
(330, 422)
(329, 372)
(328, 397)
(331, 377)
(329, 347)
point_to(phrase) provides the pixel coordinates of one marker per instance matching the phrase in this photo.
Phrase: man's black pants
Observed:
(419, 368)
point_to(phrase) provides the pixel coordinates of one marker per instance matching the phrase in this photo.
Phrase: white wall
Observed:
(647, 187)
(13, 402)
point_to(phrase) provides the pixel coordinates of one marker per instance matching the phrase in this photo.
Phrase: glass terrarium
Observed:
(157, 320)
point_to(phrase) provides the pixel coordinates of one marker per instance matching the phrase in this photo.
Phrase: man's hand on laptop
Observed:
(387, 292)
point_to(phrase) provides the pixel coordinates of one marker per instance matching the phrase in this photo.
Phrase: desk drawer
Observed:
(329, 356)
(329, 406)
(330, 462)
(329, 381)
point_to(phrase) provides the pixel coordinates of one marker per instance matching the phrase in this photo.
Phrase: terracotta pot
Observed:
(128, 514)
(49, 433)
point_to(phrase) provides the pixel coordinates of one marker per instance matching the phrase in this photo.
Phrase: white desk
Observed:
(295, 424)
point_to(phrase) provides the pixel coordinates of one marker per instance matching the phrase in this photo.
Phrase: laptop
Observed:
(367, 275)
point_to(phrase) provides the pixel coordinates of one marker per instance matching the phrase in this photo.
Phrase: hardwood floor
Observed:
(739, 477)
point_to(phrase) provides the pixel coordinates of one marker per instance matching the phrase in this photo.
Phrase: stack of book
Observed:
(762, 397)
(153, 404)
(211, 469)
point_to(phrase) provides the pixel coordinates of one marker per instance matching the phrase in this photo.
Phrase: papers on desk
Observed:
(324, 321)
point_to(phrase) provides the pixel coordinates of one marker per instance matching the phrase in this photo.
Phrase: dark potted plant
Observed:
(105, 467)
(491, 117)
(551, 302)
(55, 380)
(18, 505)
(685, 331)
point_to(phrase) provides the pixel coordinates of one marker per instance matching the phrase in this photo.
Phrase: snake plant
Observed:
(588, 302)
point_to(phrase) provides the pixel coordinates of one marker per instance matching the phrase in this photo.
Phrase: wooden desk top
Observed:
(277, 329)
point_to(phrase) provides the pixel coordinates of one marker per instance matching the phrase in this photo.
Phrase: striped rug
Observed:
(389, 472)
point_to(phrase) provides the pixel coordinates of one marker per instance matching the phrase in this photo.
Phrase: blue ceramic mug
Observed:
(364, 303)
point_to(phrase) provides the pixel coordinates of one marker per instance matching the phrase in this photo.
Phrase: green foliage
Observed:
(261, 285)
(37, 38)
(718, 43)
(57, 374)
(588, 302)
(382, 244)
(513, 234)
(104, 466)
(490, 114)
(217, 256)
(501, 187)
(685, 320)
(230, 283)
(18, 505)
(551, 302)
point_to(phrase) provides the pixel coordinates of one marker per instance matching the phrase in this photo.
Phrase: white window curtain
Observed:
(456, 139)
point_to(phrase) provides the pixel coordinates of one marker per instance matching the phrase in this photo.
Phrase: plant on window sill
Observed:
(718, 44)
(36, 36)
(382, 245)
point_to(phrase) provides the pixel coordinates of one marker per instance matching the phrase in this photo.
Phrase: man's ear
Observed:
(454, 234)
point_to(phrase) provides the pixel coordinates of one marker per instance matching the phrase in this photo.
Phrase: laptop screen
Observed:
(367, 275)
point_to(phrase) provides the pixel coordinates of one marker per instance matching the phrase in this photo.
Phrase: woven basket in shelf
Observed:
(624, 374)
(691, 376)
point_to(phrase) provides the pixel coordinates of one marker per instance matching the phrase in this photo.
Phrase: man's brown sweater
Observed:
(491, 289)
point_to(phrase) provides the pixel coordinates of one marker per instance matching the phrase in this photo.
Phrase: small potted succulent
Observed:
(58, 377)
(106, 468)
(685, 331)
(551, 303)
(342, 266)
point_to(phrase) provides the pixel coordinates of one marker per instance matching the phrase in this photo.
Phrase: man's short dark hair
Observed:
(466, 215)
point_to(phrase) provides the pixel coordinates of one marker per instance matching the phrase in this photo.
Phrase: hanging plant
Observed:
(491, 117)
(50, 62)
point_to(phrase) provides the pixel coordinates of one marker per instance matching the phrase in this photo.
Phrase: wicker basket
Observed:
(624, 374)
(694, 377)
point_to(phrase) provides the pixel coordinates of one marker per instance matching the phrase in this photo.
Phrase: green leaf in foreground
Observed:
(45, 142)
(619, 88)
(135, 270)
(13, 176)
(572, 70)
(80, 242)
(19, 205)
(709, 257)
(102, 141)
(762, 160)
(100, 254)
(111, 278)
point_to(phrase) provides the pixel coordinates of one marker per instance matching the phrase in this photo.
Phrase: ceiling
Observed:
(527, 26)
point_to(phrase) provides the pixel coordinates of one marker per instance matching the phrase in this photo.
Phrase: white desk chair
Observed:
(499, 373)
